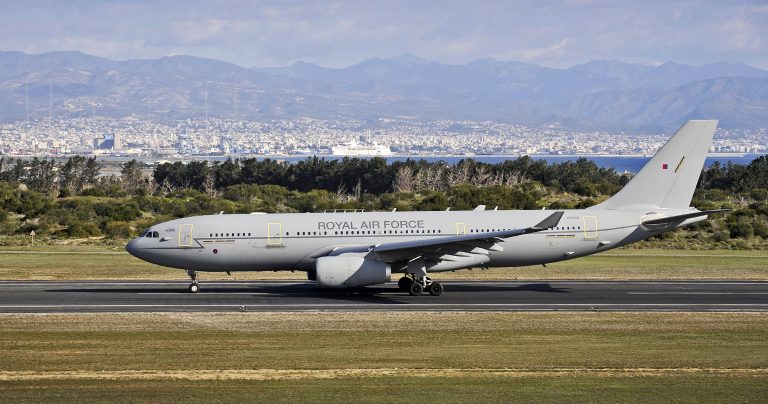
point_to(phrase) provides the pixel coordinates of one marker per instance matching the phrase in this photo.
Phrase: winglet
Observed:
(548, 223)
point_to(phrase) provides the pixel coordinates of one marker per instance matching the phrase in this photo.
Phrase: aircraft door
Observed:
(590, 227)
(185, 235)
(461, 229)
(274, 234)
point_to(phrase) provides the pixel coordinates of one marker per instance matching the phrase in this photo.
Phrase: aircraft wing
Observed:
(448, 247)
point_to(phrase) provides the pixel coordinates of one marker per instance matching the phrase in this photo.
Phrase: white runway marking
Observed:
(586, 305)
(697, 293)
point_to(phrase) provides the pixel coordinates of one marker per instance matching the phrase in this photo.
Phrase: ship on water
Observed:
(352, 148)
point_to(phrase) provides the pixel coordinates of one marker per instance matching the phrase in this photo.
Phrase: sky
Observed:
(252, 33)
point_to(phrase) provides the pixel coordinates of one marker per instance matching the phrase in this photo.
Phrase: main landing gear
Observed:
(416, 286)
(193, 287)
(416, 280)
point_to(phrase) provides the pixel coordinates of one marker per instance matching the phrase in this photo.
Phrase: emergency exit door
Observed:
(590, 227)
(274, 233)
(185, 235)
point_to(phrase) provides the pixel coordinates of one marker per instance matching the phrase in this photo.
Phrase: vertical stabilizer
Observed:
(669, 178)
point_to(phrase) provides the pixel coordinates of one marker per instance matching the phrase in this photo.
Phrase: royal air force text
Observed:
(371, 225)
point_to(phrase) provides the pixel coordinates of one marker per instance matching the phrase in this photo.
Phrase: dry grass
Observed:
(97, 263)
(374, 357)
(329, 340)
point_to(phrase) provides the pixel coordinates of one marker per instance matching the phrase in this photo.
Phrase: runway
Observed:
(160, 296)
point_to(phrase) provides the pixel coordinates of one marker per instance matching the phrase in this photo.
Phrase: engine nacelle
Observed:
(350, 272)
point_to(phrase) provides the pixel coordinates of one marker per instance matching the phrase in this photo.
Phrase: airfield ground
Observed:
(390, 356)
(100, 263)
(373, 357)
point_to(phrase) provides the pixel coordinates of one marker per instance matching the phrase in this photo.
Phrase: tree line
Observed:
(73, 199)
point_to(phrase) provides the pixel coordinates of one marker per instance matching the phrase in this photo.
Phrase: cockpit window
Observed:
(150, 234)
(155, 234)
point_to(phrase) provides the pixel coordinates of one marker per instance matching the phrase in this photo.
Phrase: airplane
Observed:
(356, 249)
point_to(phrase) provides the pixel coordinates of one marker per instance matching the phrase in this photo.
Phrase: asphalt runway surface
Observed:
(172, 296)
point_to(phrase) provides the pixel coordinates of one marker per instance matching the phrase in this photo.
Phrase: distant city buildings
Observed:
(216, 137)
(107, 142)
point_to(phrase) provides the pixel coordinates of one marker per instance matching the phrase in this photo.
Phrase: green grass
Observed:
(94, 262)
(686, 389)
(453, 357)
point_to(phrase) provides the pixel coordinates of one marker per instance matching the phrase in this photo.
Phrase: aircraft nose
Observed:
(132, 248)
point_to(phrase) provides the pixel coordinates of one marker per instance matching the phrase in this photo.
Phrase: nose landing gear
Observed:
(193, 287)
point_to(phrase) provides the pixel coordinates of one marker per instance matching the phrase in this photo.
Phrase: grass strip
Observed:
(393, 357)
(103, 263)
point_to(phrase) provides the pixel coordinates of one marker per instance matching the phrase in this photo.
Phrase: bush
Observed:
(721, 236)
(761, 229)
(741, 229)
(82, 230)
(118, 230)
(116, 210)
(759, 194)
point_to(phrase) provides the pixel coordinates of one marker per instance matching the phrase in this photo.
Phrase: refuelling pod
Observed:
(350, 272)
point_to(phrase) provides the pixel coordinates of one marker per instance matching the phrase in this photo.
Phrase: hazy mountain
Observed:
(598, 94)
(737, 101)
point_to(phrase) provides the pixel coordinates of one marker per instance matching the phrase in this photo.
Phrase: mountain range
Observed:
(601, 94)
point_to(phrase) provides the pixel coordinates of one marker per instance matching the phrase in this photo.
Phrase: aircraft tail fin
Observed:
(669, 178)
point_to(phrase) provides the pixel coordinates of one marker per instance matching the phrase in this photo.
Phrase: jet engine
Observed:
(350, 272)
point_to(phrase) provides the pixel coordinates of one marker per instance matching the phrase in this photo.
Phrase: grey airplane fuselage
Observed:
(266, 242)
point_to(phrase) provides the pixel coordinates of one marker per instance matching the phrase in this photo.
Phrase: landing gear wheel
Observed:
(193, 287)
(435, 289)
(416, 289)
(405, 283)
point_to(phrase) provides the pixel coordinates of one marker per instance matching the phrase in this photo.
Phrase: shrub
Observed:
(118, 230)
(761, 229)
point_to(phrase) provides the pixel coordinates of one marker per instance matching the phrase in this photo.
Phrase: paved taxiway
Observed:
(121, 296)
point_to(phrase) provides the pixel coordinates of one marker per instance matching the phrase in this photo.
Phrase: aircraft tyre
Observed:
(416, 289)
(435, 289)
(193, 287)
(405, 283)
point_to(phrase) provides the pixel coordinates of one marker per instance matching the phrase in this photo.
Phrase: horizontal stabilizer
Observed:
(680, 218)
